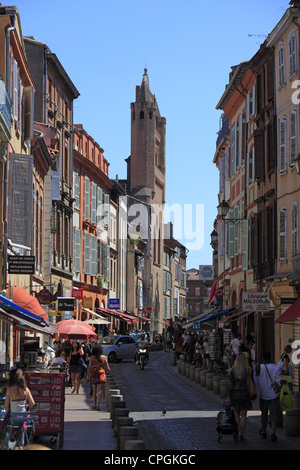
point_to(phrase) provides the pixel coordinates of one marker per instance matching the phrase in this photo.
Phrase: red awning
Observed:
(291, 314)
(25, 300)
(212, 291)
(129, 319)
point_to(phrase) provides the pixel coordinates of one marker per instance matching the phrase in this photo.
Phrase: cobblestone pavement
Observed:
(191, 410)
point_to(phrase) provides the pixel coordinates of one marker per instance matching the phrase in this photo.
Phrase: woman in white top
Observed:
(18, 396)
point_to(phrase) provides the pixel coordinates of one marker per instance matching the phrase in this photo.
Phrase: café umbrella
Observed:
(75, 329)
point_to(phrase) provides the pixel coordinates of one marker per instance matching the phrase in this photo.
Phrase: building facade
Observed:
(53, 108)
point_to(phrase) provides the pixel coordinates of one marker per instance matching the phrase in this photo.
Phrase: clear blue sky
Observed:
(188, 46)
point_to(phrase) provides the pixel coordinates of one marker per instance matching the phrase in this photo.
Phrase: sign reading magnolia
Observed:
(255, 302)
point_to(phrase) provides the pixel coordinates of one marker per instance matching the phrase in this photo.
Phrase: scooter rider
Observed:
(142, 343)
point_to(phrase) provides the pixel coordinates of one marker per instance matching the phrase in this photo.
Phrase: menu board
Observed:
(48, 391)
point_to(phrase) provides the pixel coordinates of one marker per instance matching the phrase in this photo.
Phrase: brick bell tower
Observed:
(148, 138)
(146, 178)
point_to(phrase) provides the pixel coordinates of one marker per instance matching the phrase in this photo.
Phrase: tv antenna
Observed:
(258, 35)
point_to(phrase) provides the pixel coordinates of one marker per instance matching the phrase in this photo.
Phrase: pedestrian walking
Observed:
(206, 354)
(75, 365)
(98, 365)
(267, 380)
(239, 396)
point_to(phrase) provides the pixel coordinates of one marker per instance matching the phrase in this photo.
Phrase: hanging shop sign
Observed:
(21, 264)
(77, 293)
(255, 302)
(66, 303)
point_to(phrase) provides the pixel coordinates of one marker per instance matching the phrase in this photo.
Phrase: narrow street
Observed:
(190, 419)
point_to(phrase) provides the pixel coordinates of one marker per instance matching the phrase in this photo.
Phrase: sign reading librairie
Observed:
(21, 264)
(255, 302)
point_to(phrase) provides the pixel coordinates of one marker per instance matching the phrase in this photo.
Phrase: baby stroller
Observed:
(226, 423)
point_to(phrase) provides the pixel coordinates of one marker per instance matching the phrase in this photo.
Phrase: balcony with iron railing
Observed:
(224, 132)
(5, 113)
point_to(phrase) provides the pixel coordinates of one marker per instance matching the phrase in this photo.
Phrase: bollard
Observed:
(197, 375)
(192, 372)
(187, 369)
(203, 377)
(119, 413)
(209, 380)
(292, 423)
(224, 388)
(173, 359)
(216, 383)
(297, 400)
(134, 445)
(113, 398)
(179, 363)
(121, 422)
(183, 366)
(116, 404)
(127, 433)
(112, 391)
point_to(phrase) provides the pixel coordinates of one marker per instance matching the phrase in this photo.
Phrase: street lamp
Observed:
(223, 209)
(214, 237)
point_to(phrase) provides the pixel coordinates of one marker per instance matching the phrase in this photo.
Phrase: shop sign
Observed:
(66, 303)
(114, 304)
(87, 302)
(196, 325)
(255, 302)
(21, 264)
(77, 293)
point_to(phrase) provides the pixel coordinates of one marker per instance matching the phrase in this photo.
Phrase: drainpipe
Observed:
(5, 172)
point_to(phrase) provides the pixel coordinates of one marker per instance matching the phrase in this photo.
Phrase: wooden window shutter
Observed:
(230, 235)
(282, 235)
(87, 251)
(77, 190)
(94, 204)
(295, 229)
(255, 240)
(233, 149)
(270, 78)
(28, 112)
(87, 199)
(77, 250)
(244, 227)
(293, 137)
(236, 231)
(259, 145)
(282, 145)
(93, 256)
